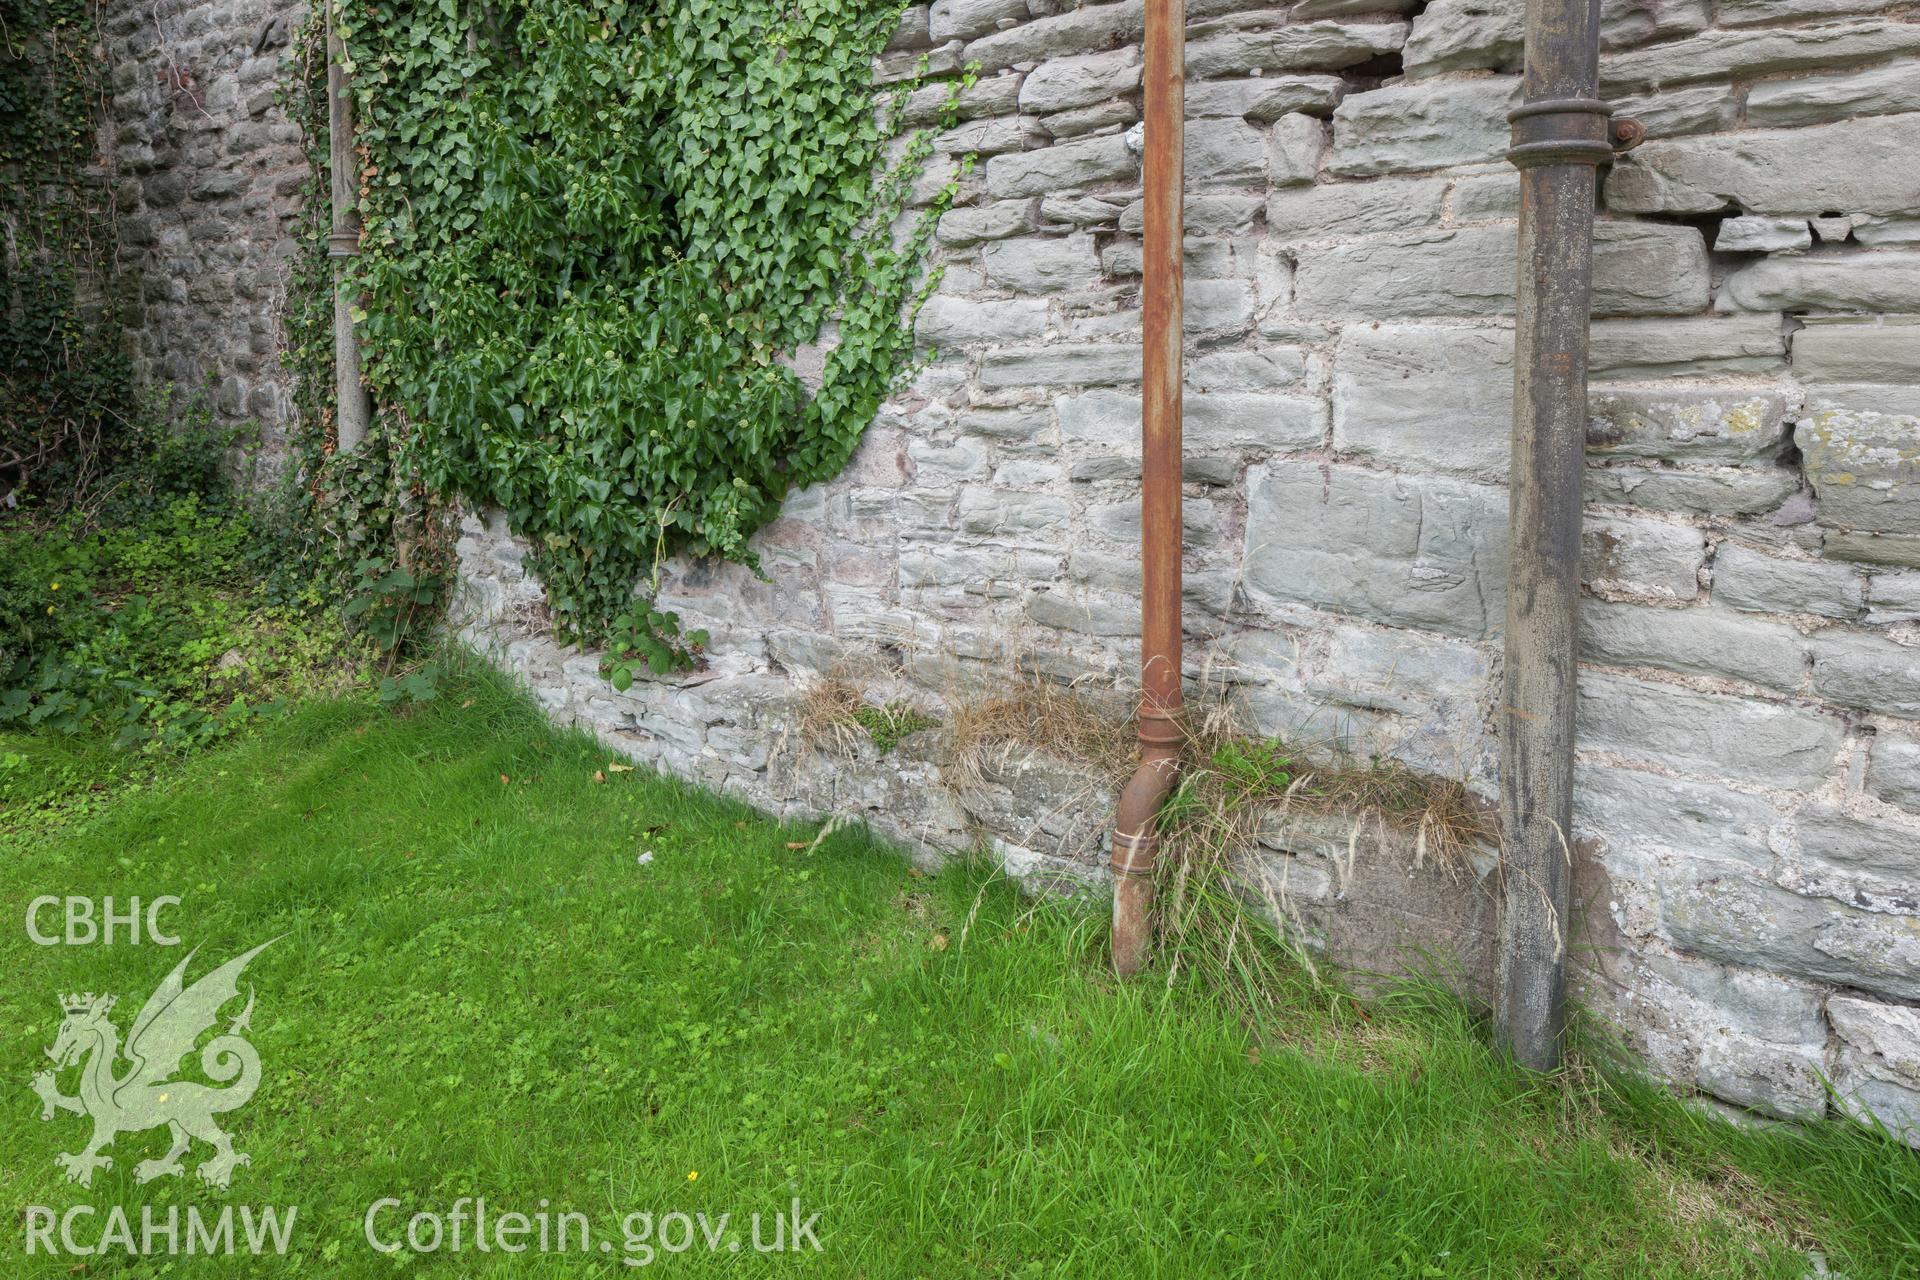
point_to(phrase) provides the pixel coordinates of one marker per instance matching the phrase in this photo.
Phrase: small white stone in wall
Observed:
(1763, 235)
(1833, 230)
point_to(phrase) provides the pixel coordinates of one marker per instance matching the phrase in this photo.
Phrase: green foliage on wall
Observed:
(360, 525)
(65, 396)
(596, 235)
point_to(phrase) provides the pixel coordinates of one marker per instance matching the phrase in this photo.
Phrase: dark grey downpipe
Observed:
(352, 408)
(1561, 136)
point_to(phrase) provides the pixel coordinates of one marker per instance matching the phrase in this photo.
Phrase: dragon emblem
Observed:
(145, 1095)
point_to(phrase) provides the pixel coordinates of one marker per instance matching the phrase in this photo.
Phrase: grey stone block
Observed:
(1221, 150)
(1893, 772)
(1738, 13)
(1100, 117)
(1297, 147)
(1062, 84)
(1681, 347)
(1340, 8)
(1355, 208)
(1745, 1036)
(1398, 670)
(989, 96)
(993, 137)
(1060, 167)
(1425, 396)
(1721, 491)
(1649, 557)
(1864, 468)
(1751, 580)
(1888, 280)
(1859, 166)
(1120, 522)
(1877, 400)
(1203, 259)
(972, 224)
(1097, 26)
(1730, 55)
(1217, 308)
(1877, 1072)
(1709, 735)
(1893, 597)
(1625, 23)
(1486, 197)
(1887, 851)
(1897, 550)
(913, 31)
(1011, 515)
(1686, 424)
(1119, 572)
(1266, 98)
(910, 64)
(1087, 210)
(1231, 422)
(964, 19)
(945, 320)
(1008, 426)
(1460, 35)
(1741, 920)
(1867, 672)
(1036, 265)
(1083, 365)
(1869, 351)
(1205, 215)
(1762, 235)
(1265, 370)
(1630, 809)
(1089, 613)
(1417, 552)
(1670, 113)
(1422, 125)
(946, 464)
(1308, 46)
(1638, 268)
(1703, 642)
(1837, 96)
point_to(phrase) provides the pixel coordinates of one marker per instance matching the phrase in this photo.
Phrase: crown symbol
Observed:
(82, 1003)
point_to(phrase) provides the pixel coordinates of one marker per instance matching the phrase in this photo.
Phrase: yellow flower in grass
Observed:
(693, 1175)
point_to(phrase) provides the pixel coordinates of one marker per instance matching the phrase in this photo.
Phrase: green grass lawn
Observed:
(483, 987)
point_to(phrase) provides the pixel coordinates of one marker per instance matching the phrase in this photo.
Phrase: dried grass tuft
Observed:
(830, 714)
(1073, 722)
(1236, 932)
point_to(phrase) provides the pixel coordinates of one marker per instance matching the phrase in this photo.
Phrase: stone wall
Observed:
(1748, 842)
(208, 173)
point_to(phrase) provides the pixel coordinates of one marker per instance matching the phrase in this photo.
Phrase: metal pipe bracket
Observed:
(1561, 131)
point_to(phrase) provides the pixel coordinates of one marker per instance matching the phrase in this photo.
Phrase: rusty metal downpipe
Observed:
(1561, 136)
(1136, 845)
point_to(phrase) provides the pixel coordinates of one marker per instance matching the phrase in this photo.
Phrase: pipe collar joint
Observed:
(1134, 854)
(1560, 131)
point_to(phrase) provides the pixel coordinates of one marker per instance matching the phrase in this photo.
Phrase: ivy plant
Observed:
(66, 392)
(595, 237)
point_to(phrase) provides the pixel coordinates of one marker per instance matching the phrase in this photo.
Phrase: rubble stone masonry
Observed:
(1748, 834)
